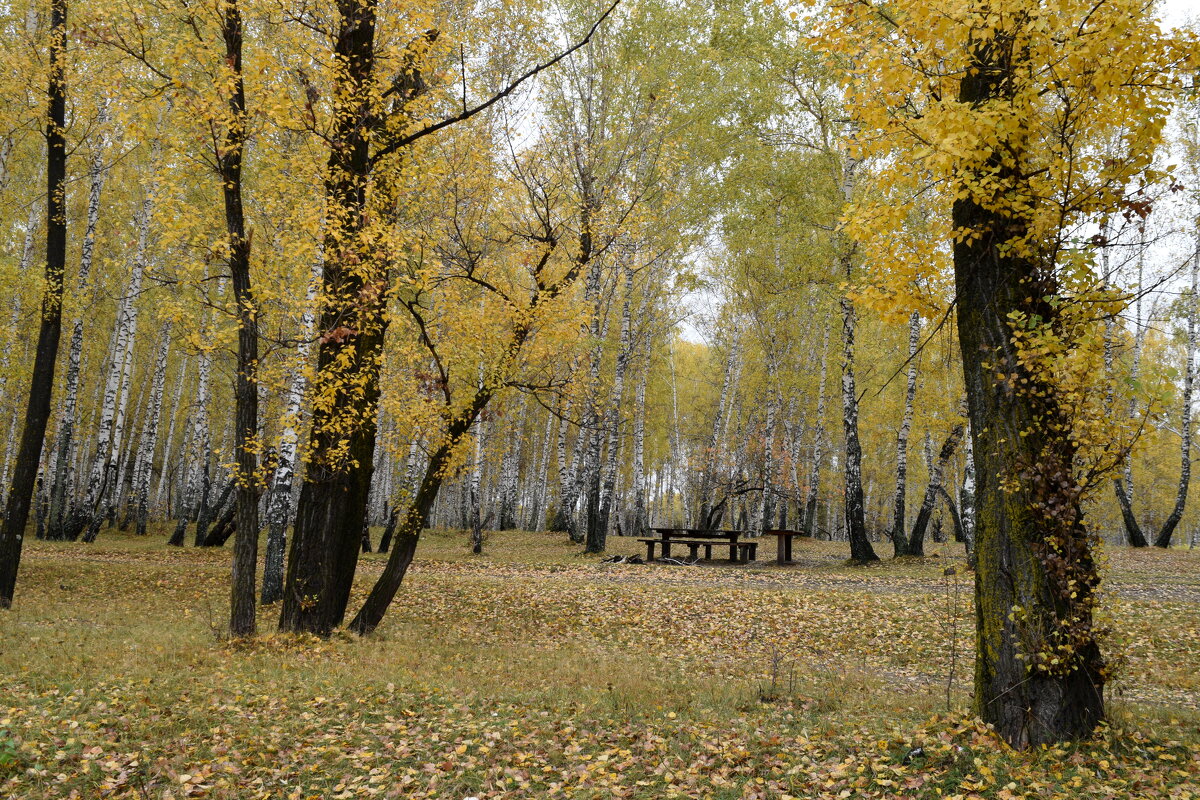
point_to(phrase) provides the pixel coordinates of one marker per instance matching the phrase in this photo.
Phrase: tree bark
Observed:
(809, 524)
(229, 166)
(1123, 484)
(899, 539)
(1039, 675)
(861, 551)
(333, 498)
(916, 542)
(614, 416)
(58, 521)
(1185, 423)
(41, 385)
(279, 502)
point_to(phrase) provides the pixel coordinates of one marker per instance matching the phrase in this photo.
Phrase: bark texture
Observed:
(1035, 578)
(41, 386)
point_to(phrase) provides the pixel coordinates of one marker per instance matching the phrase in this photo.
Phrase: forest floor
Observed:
(535, 671)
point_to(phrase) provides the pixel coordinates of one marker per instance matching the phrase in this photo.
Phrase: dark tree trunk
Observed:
(1039, 675)
(385, 542)
(409, 531)
(594, 541)
(226, 525)
(204, 511)
(333, 497)
(215, 513)
(1133, 530)
(960, 534)
(177, 537)
(41, 385)
(916, 540)
(229, 163)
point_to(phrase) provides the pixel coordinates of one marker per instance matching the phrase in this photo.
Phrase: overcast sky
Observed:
(1175, 12)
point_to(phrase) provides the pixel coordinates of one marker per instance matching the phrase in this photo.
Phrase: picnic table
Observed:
(783, 543)
(695, 538)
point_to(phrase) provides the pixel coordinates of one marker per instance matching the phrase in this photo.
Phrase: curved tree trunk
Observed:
(1185, 423)
(916, 542)
(41, 385)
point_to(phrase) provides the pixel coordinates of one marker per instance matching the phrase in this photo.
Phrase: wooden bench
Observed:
(738, 551)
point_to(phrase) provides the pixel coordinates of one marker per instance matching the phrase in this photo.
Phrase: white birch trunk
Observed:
(818, 454)
(767, 514)
(510, 471)
(624, 349)
(27, 250)
(899, 537)
(112, 414)
(149, 444)
(638, 519)
(1185, 418)
(674, 483)
(714, 457)
(169, 443)
(282, 500)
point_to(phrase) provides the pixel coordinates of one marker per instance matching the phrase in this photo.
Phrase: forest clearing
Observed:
(498, 398)
(534, 671)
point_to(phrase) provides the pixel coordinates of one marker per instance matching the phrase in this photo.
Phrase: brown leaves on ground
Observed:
(555, 676)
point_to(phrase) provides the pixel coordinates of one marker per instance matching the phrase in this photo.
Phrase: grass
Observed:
(535, 671)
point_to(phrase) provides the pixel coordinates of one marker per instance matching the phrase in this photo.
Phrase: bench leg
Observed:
(733, 553)
(788, 549)
(666, 549)
(693, 551)
(649, 551)
(781, 549)
(708, 552)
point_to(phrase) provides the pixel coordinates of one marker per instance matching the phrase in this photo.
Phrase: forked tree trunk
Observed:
(614, 416)
(767, 508)
(199, 481)
(916, 542)
(537, 511)
(966, 499)
(510, 471)
(675, 484)
(161, 495)
(1123, 484)
(1185, 423)
(474, 512)
(103, 478)
(150, 436)
(638, 521)
(714, 456)
(26, 263)
(341, 452)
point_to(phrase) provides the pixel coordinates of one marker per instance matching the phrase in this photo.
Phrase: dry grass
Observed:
(511, 674)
